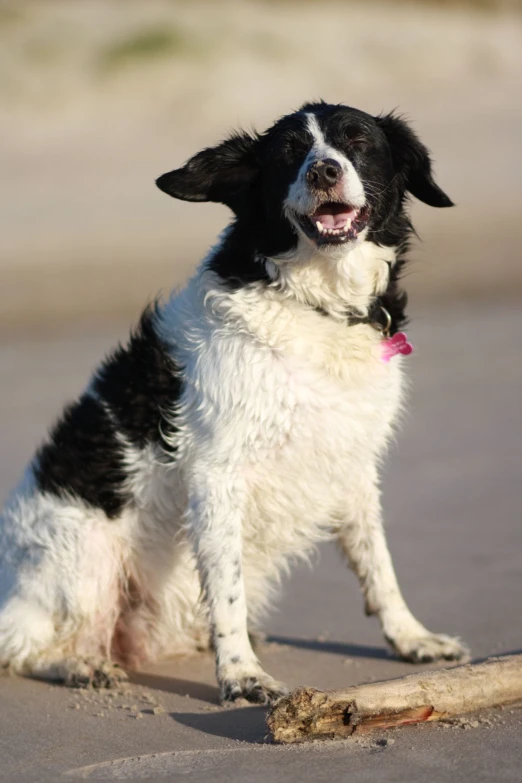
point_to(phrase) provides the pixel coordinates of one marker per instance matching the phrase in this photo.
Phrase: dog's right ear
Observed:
(221, 173)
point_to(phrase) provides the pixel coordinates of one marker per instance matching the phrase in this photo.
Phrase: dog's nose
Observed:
(324, 174)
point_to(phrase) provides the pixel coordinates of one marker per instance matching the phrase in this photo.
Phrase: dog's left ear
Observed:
(412, 161)
(221, 173)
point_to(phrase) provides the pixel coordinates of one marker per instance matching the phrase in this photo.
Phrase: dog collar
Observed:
(391, 346)
(380, 319)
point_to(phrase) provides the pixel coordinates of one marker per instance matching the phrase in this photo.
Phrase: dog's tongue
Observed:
(334, 215)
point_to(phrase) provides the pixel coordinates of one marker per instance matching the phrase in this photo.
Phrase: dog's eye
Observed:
(357, 142)
(297, 147)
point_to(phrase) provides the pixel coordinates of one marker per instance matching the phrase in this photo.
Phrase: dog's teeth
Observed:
(319, 226)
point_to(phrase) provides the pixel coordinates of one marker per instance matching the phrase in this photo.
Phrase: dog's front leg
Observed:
(362, 539)
(216, 507)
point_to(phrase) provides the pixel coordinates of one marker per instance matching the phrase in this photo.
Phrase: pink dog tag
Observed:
(395, 345)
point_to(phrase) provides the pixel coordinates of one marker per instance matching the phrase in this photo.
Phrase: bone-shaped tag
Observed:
(395, 345)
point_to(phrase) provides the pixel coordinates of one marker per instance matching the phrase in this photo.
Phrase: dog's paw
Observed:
(86, 673)
(259, 688)
(430, 647)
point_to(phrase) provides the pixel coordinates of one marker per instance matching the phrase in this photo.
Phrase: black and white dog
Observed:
(244, 421)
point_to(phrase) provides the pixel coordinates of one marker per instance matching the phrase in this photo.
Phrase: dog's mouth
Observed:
(334, 223)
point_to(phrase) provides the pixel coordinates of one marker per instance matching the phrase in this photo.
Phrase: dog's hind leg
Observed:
(59, 591)
(77, 671)
(32, 644)
(362, 539)
(162, 613)
(26, 631)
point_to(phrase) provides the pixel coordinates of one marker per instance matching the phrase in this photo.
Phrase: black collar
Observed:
(378, 317)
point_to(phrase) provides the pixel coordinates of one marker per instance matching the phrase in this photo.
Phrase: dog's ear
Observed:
(411, 161)
(221, 173)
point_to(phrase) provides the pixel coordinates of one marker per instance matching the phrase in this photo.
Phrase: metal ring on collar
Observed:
(385, 330)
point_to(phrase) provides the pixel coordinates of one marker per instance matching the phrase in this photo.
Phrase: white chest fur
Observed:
(296, 403)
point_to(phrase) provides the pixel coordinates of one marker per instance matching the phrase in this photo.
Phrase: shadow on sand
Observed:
(195, 690)
(246, 724)
(338, 648)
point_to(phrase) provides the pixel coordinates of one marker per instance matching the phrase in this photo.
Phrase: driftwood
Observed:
(308, 714)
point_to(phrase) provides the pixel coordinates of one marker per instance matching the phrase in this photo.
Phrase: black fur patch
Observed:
(236, 262)
(130, 393)
(83, 458)
(140, 383)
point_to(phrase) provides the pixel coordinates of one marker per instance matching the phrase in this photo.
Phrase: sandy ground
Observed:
(94, 104)
(452, 496)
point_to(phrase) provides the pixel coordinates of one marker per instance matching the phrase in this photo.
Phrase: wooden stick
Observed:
(308, 714)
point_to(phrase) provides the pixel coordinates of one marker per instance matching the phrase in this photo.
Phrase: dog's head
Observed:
(327, 176)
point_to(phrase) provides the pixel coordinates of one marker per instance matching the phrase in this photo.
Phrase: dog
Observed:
(244, 421)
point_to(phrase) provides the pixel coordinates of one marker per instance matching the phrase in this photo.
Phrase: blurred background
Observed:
(99, 97)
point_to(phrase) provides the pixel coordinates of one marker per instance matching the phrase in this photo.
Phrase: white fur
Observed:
(299, 197)
(284, 416)
(301, 201)
(334, 284)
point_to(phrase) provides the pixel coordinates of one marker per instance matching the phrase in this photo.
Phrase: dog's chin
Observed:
(333, 225)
